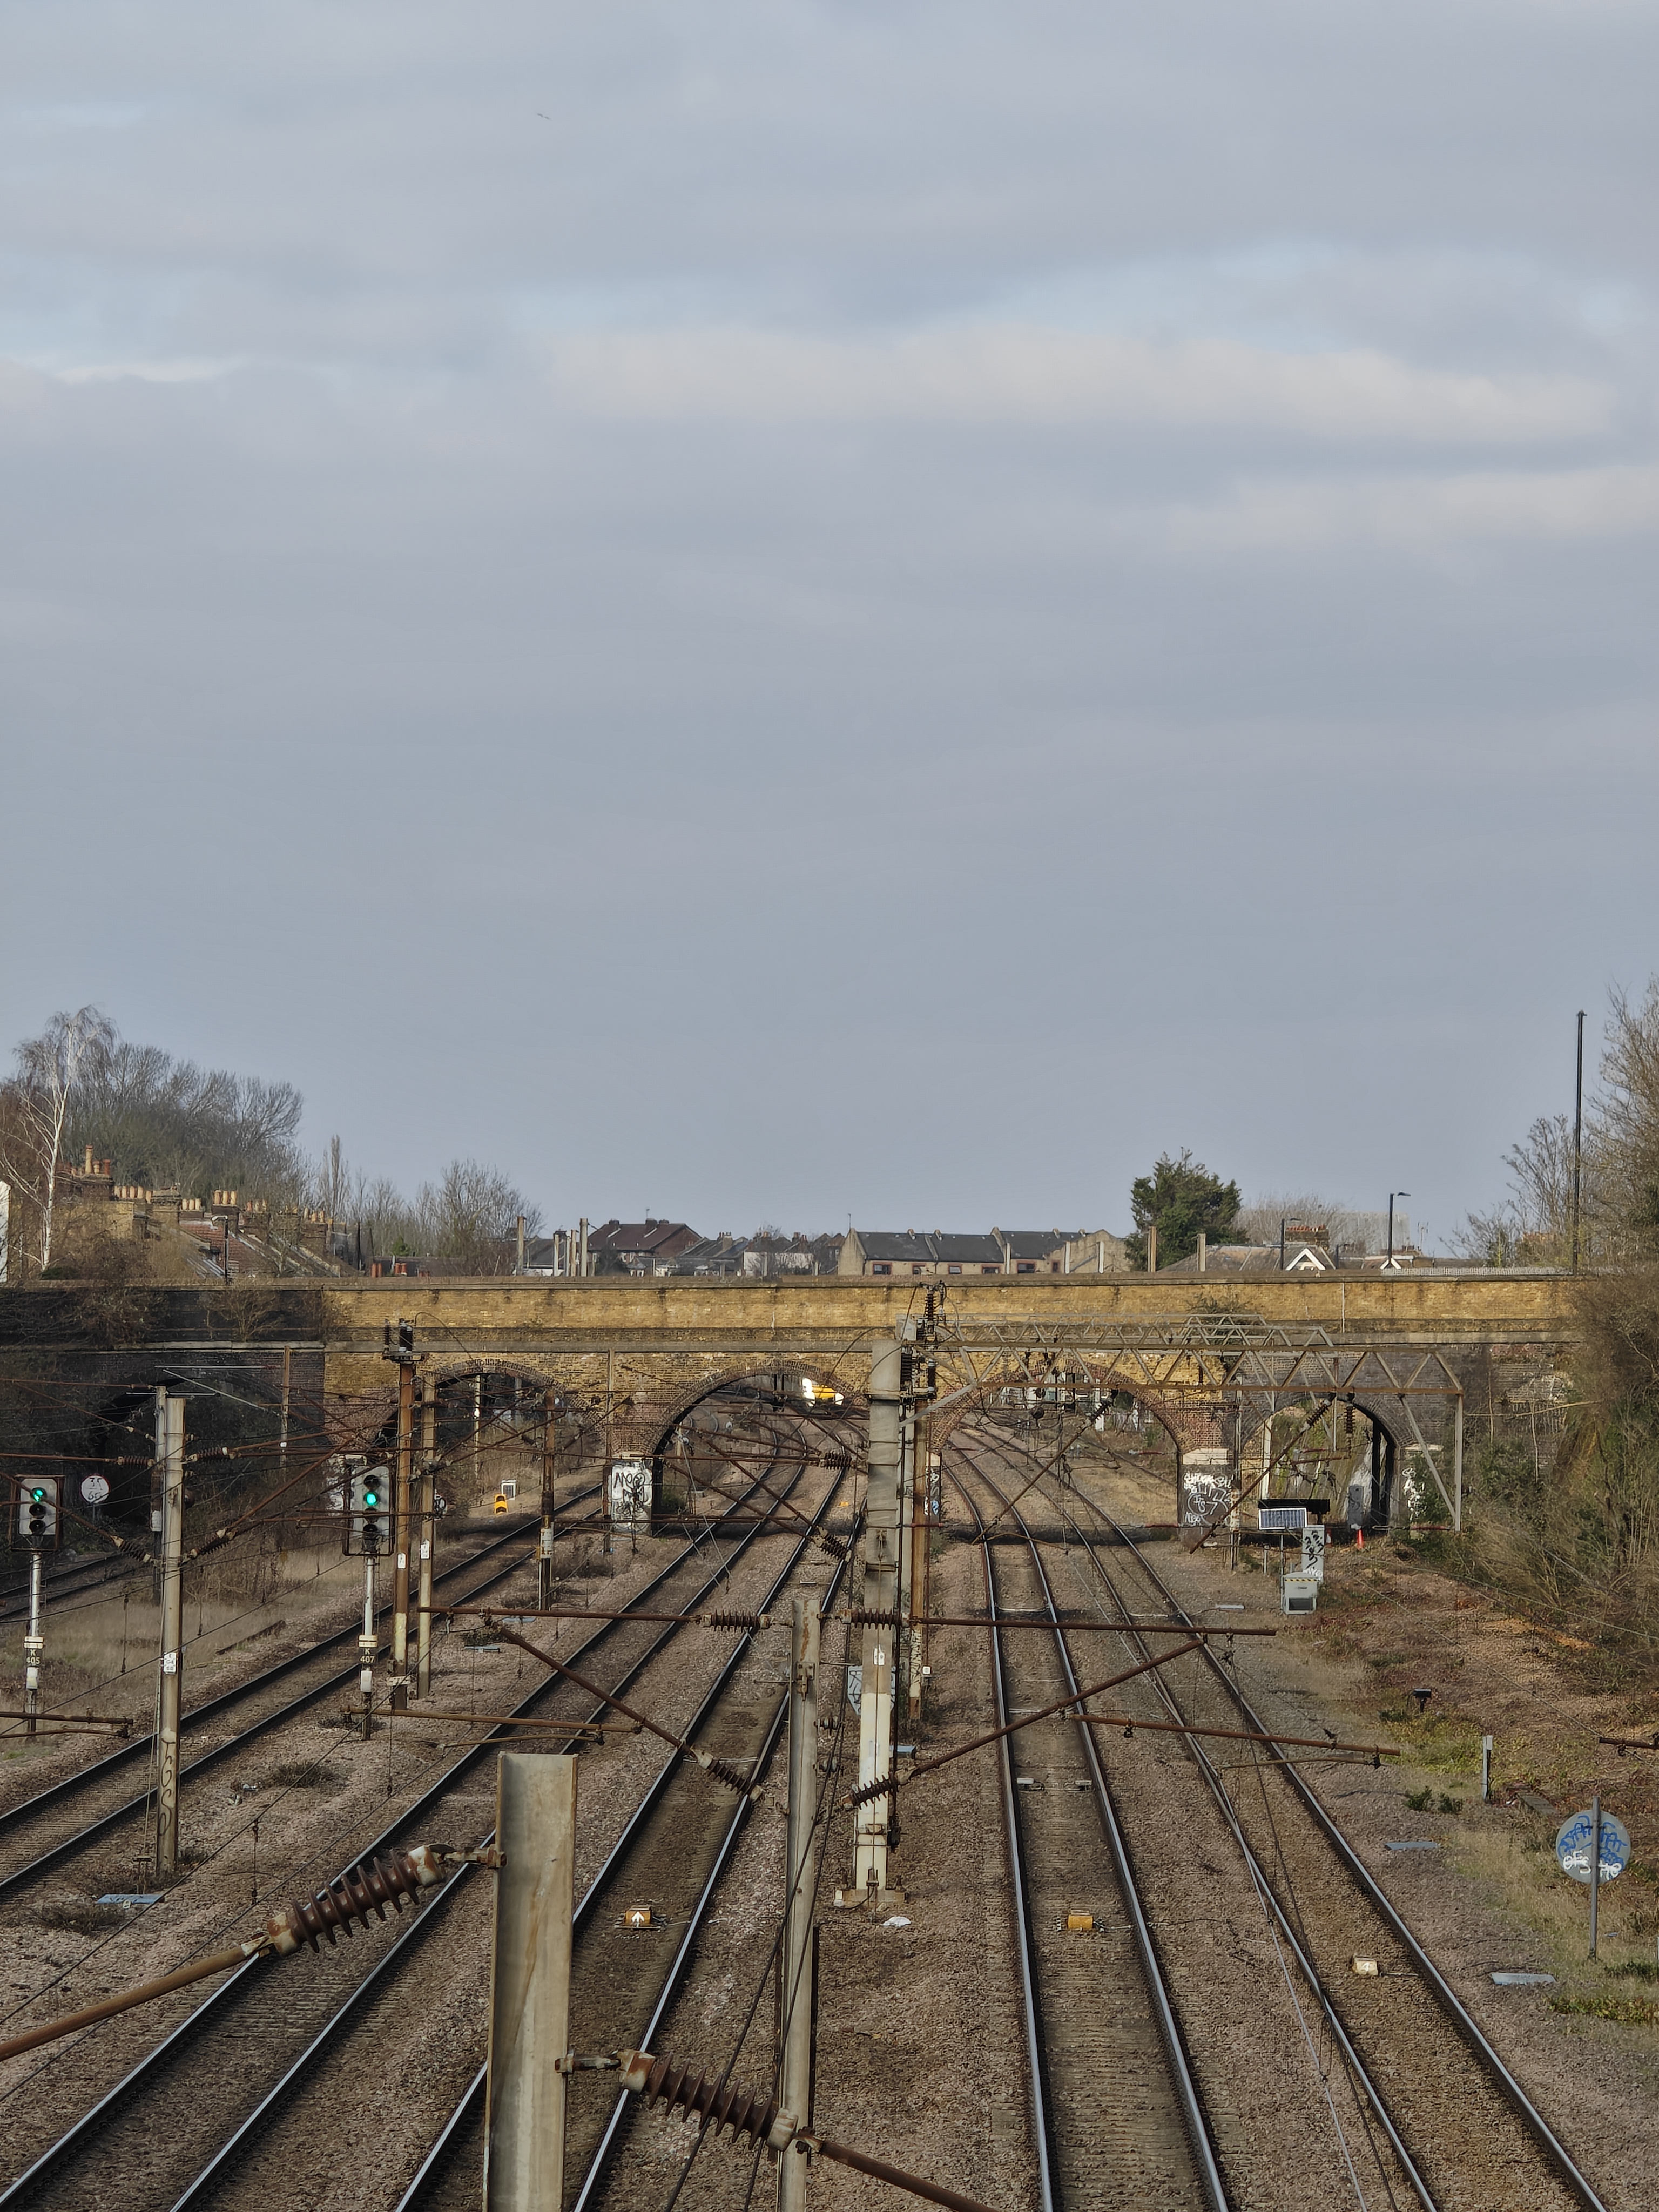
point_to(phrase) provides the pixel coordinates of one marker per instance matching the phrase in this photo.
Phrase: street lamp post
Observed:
(1393, 1194)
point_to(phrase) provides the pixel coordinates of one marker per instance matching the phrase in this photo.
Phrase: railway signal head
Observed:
(37, 1509)
(369, 1509)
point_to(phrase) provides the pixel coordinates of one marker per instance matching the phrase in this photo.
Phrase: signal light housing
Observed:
(37, 1509)
(368, 1526)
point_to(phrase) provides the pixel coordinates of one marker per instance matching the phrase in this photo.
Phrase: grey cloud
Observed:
(1087, 572)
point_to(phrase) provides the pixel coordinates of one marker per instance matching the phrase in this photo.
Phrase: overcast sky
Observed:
(772, 612)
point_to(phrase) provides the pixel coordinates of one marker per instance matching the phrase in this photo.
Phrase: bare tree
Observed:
(1625, 1125)
(1534, 1223)
(1258, 1222)
(51, 1070)
(469, 1209)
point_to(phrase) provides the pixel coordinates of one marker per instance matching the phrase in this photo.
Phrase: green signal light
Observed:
(38, 1496)
(371, 1497)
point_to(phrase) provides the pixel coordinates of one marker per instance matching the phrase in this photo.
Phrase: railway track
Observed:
(1395, 2096)
(75, 1807)
(673, 1854)
(248, 2057)
(1117, 2121)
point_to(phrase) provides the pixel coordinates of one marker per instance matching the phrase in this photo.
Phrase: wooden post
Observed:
(428, 1531)
(795, 2088)
(609, 1446)
(477, 1429)
(530, 1983)
(173, 1639)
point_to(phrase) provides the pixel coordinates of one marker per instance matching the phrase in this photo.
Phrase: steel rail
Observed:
(1194, 2121)
(1444, 1995)
(217, 2006)
(1359, 1873)
(401, 1947)
(1258, 1875)
(434, 2167)
(58, 1791)
(683, 1955)
(56, 1854)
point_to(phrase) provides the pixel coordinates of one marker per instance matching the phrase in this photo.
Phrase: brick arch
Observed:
(654, 1421)
(1399, 1442)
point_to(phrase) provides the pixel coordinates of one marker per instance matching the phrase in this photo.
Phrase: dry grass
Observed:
(80, 1916)
(234, 1614)
(1629, 2012)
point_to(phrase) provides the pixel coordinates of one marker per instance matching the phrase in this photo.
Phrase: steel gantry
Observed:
(1218, 1359)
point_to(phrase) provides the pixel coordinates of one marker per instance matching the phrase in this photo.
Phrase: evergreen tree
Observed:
(1180, 1197)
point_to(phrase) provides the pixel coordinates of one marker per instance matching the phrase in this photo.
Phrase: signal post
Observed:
(365, 1530)
(37, 1524)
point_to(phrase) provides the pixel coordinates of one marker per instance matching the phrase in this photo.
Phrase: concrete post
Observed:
(530, 1983)
(368, 1645)
(427, 1530)
(544, 1570)
(402, 1517)
(881, 1537)
(173, 1639)
(795, 2088)
(1458, 1461)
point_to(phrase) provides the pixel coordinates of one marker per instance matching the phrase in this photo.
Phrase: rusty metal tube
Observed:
(1374, 1752)
(881, 1786)
(857, 1617)
(90, 2015)
(739, 1784)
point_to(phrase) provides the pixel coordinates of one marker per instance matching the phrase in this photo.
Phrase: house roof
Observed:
(1038, 1244)
(661, 1239)
(893, 1244)
(982, 1249)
